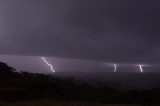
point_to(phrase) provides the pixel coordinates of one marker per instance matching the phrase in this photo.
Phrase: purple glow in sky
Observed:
(38, 64)
(100, 30)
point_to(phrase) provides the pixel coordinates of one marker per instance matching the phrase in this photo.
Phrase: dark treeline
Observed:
(18, 86)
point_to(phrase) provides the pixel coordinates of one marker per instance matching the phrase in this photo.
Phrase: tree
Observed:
(4, 68)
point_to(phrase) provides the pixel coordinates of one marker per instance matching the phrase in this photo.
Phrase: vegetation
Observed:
(65, 103)
(24, 86)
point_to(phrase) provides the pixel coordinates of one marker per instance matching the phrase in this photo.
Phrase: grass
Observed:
(60, 103)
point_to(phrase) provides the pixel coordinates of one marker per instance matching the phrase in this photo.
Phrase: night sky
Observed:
(79, 34)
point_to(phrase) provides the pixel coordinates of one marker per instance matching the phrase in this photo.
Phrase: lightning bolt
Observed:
(46, 62)
(115, 67)
(141, 68)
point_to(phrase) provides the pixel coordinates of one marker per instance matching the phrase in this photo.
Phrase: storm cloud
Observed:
(105, 30)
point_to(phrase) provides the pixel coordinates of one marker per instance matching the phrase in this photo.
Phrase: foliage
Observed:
(24, 86)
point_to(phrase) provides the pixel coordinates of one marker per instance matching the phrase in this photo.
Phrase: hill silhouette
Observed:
(23, 86)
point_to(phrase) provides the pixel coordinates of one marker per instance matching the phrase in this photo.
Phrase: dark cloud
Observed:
(108, 30)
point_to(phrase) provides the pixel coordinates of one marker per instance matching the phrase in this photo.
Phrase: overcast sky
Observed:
(118, 31)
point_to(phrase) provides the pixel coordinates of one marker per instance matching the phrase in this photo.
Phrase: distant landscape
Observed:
(19, 88)
(126, 80)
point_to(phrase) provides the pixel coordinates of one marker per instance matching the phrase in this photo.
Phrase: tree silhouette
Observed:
(4, 68)
(16, 86)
